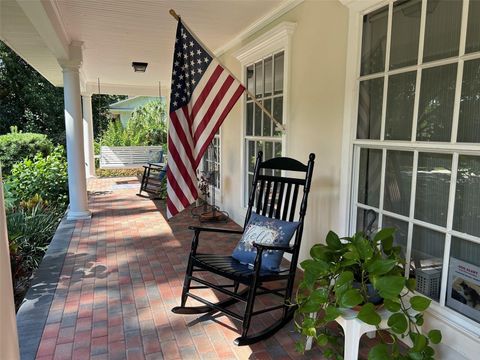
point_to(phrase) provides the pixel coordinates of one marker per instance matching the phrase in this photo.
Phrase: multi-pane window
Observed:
(417, 146)
(265, 80)
(211, 162)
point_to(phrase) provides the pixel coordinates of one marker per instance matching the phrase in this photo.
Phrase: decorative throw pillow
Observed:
(264, 230)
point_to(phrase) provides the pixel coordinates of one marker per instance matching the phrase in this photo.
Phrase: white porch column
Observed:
(77, 182)
(88, 135)
(8, 322)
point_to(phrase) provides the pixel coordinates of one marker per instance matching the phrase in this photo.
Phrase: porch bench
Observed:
(128, 157)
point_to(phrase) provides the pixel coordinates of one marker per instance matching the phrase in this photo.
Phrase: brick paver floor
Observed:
(122, 274)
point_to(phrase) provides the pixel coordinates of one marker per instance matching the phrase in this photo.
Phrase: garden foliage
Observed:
(30, 229)
(44, 176)
(36, 196)
(16, 146)
(146, 126)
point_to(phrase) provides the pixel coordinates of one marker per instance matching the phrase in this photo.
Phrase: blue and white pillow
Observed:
(264, 230)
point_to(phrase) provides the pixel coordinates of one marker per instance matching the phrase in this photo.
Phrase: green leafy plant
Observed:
(341, 274)
(17, 146)
(146, 126)
(31, 226)
(45, 176)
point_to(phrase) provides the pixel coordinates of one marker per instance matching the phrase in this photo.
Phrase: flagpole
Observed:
(258, 103)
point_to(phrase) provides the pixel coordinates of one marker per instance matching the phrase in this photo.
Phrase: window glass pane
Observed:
(469, 118)
(405, 33)
(374, 38)
(368, 177)
(427, 259)
(258, 121)
(278, 59)
(268, 66)
(473, 27)
(435, 110)
(258, 79)
(251, 156)
(401, 233)
(466, 217)
(367, 221)
(267, 122)
(278, 149)
(463, 288)
(401, 96)
(278, 114)
(370, 109)
(250, 80)
(442, 29)
(250, 118)
(433, 188)
(398, 181)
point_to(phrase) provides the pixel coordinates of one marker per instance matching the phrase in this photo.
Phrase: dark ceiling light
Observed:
(139, 66)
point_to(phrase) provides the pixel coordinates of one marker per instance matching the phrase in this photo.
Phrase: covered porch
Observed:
(107, 284)
(354, 81)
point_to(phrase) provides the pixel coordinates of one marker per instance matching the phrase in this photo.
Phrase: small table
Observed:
(354, 329)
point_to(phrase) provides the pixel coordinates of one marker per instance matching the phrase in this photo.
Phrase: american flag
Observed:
(202, 95)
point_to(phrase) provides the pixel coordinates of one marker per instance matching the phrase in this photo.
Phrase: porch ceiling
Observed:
(116, 32)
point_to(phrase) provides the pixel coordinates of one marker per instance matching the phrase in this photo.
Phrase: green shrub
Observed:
(17, 146)
(45, 176)
(147, 126)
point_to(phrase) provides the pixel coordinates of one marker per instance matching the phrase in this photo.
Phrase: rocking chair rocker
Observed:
(273, 195)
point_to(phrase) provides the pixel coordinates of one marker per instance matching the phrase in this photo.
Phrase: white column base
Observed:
(79, 215)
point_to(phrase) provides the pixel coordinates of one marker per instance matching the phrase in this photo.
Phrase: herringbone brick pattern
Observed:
(124, 272)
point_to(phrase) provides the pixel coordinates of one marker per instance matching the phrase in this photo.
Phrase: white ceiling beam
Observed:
(44, 16)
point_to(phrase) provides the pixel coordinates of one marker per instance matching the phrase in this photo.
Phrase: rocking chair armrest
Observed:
(262, 247)
(218, 230)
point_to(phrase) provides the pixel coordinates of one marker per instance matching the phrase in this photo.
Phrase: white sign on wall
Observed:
(463, 291)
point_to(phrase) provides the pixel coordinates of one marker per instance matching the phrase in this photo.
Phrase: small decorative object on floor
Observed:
(337, 278)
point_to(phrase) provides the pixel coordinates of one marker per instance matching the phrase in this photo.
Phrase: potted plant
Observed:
(353, 272)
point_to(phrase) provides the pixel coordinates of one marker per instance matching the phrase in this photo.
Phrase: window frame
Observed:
(273, 41)
(351, 146)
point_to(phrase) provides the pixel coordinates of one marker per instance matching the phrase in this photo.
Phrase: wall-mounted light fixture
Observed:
(139, 66)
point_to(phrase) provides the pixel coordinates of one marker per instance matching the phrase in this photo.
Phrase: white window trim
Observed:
(275, 40)
(358, 8)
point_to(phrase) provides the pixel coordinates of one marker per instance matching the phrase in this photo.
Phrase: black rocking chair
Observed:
(273, 195)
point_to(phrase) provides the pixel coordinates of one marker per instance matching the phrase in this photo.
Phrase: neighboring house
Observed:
(386, 93)
(124, 109)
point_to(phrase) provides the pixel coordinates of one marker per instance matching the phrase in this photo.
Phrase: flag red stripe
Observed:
(222, 117)
(175, 122)
(205, 92)
(211, 110)
(171, 208)
(175, 156)
(176, 188)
